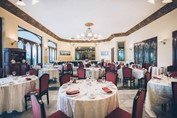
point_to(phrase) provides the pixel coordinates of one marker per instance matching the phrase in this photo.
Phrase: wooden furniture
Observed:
(19, 58)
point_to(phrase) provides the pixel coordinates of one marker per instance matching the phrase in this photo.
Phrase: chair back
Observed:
(69, 67)
(138, 104)
(43, 83)
(81, 73)
(23, 69)
(112, 77)
(147, 78)
(112, 67)
(173, 74)
(64, 78)
(87, 65)
(1, 72)
(81, 65)
(16, 68)
(127, 72)
(146, 65)
(118, 67)
(171, 68)
(37, 108)
(33, 72)
(174, 92)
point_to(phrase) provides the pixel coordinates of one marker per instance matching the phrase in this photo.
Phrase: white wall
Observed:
(162, 28)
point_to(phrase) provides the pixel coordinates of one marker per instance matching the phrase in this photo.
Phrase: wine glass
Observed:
(27, 73)
(13, 73)
(103, 78)
(71, 80)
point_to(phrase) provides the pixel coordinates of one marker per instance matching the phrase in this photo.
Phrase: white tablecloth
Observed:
(95, 72)
(12, 93)
(157, 70)
(137, 73)
(53, 73)
(81, 106)
(158, 92)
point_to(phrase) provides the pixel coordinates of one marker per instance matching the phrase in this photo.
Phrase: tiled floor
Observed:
(126, 101)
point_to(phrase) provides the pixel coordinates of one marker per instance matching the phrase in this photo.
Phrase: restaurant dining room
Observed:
(88, 58)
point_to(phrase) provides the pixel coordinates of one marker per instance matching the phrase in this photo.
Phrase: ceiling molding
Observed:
(5, 4)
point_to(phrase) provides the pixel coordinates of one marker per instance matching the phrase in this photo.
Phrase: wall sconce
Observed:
(163, 41)
(12, 43)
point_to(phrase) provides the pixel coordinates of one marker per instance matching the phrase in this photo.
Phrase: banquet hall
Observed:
(88, 58)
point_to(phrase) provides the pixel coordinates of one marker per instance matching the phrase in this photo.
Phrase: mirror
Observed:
(82, 53)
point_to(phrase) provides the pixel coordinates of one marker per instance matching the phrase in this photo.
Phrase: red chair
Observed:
(118, 67)
(81, 65)
(1, 72)
(65, 78)
(38, 110)
(137, 111)
(112, 77)
(173, 74)
(23, 69)
(81, 73)
(87, 65)
(112, 67)
(174, 92)
(33, 72)
(147, 78)
(43, 89)
(127, 76)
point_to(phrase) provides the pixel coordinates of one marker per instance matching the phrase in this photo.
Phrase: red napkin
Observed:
(72, 92)
(99, 80)
(74, 81)
(28, 79)
(155, 77)
(107, 90)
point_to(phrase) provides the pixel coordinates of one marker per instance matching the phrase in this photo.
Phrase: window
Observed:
(0, 42)
(33, 45)
(52, 51)
(121, 51)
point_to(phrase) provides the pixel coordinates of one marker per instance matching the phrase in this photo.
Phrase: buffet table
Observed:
(159, 91)
(13, 90)
(91, 102)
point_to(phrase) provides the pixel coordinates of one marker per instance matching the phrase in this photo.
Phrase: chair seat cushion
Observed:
(119, 113)
(35, 91)
(58, 114)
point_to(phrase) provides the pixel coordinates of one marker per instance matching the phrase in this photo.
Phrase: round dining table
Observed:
(13, 90)
(159, 91)
(91, 101)
(53, 72)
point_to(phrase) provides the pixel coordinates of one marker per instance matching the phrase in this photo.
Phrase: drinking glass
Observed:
(71, 80)
(14, 73)
(27, 73)
(103, 78)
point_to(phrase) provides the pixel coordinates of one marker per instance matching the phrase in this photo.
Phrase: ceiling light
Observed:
(34, 2)
(167, 1)
(163, 1)
(20, 3)
(89, 35)
(151, 1)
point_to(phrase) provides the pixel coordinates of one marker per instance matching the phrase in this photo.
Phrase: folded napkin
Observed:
(99, 80)
(28, 79)
(74, 81)
(107, 90)
(72, 92)
(155, 77)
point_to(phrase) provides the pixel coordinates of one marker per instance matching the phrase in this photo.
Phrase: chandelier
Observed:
(21, 3)
(88, 35)
(163, 1)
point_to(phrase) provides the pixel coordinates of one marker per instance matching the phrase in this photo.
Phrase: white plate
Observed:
(72, 95)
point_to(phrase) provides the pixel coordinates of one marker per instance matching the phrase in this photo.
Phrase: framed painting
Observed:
(65, 53)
